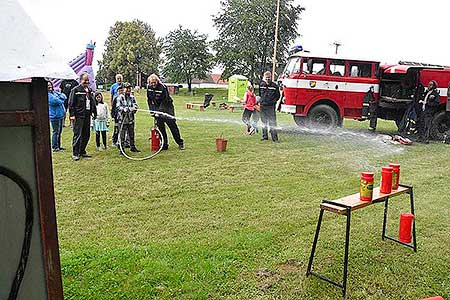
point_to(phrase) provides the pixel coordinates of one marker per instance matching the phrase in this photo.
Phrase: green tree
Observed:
(186, 56)
(246, 35)
(130, 49)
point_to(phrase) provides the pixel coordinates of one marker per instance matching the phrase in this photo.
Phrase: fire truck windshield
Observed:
(293, 66)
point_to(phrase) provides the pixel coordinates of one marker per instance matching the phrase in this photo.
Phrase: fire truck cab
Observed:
(325, 90)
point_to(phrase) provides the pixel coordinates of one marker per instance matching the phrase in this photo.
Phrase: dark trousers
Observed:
(57, 126)
(255, 119)
(97, 138)
(172, 124)
(269, 119)
(127, 130)
(115, 133)
(373, 116)
(246, 117)
(425, 121)
(81, 134)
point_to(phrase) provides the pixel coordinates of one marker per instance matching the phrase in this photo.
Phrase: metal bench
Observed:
(345, 206)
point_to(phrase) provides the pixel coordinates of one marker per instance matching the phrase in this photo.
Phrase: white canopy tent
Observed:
(25, 52)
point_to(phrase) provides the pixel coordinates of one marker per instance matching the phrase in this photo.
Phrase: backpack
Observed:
(67, 86)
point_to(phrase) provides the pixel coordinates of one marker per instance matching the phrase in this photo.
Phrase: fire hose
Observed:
(15, 286)
(119, 141)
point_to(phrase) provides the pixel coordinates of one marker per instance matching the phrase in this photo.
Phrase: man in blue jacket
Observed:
(114, 88)
(269, 93)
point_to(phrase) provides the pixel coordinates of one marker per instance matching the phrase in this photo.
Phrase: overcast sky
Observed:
(385, 30)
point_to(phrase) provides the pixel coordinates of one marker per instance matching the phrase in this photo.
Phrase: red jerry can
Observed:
(155, 139)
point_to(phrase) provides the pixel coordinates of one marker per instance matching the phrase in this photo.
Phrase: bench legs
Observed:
(386, 206)
(316, 237)
(343, 286)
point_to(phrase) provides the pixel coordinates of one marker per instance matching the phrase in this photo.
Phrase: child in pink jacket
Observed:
(249, 102)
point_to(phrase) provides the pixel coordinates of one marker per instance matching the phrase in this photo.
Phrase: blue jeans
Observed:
(57, 126)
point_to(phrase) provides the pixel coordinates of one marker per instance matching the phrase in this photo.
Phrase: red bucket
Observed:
(386, 180)
(395, 175)
(221, 144)
(404, 230)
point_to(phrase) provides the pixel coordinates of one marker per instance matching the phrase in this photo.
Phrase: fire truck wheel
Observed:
(440, 127)
(324, 116)
(300, 121)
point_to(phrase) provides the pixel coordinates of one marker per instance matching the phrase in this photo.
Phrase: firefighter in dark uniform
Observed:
(159, 100)
(269, 93)
(82, 107)
(428, 105)
(373, 107)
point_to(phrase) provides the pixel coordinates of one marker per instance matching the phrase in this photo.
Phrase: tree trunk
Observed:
(189, 82)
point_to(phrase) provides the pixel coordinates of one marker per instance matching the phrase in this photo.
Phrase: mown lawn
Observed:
(198, 224)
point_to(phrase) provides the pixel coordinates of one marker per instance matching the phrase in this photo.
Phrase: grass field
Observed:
(198, 224)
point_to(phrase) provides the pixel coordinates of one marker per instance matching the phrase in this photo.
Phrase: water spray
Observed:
(337, 134)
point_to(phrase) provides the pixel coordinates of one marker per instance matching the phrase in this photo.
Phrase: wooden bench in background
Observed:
(234, 106)
(200, 106)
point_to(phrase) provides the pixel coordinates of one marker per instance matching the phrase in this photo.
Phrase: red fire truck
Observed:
(326, 90)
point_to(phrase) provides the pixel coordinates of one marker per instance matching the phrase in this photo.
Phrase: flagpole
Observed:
(276, 41)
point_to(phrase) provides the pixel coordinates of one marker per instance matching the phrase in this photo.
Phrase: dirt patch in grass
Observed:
(292, 265)
(267, 279)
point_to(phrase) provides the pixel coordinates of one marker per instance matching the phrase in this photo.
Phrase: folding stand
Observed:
(345, 206)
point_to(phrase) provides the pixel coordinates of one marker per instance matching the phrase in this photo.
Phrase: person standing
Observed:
(159, 100)
(249, 103)
(114, 91)
(126, 109)
(81, 108)
(429, 103)
(114, 87)
(56, 113)
(373, 108)
(114, 115)
(101, 122)
(269, 93)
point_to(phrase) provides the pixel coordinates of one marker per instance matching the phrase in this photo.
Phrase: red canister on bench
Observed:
(404, 230)
(386, 180)
(366, 186)
(395, 175)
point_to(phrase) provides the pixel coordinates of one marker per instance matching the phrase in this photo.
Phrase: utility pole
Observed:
(138, 73)
(276, 41)
(337, 44)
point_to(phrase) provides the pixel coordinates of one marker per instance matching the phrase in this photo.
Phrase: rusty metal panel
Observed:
(15, 96)
(25, 151)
